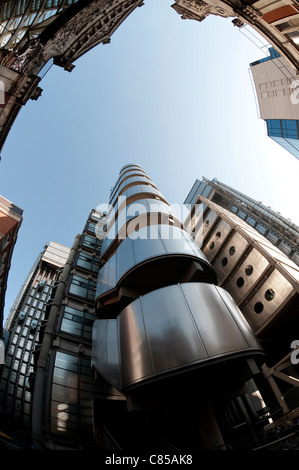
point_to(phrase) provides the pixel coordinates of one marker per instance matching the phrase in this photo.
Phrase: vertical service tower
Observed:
(167, 337)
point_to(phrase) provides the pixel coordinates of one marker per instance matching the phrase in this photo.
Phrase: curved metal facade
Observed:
(200, 319)
(160, 310)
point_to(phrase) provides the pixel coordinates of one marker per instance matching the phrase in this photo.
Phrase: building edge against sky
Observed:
(10, 222)
(282, 232)
(21, 333)
(276, 87)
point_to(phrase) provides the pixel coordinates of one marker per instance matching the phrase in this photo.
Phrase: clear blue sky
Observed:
(172, 95)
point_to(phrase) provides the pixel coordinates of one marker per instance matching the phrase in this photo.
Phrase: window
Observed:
(242, 214)
(274, 127)
(77, 323)
(258, 308)
(269, 294)
(224, 261)
(251, 221)
(249, 270)
(87, 261)
(232, 250)
(83, 287)
(92, 243)
(289, 128)
(261, 229)
(91, 227)
(72, 387)
(294, 36)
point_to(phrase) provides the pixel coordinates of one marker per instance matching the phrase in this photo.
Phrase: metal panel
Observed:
(216, 238)
(105, 353)
(112, 351)
(248, 274)
(173, 329)
(131, 253)
(134, 352)
(216, 319)
(144, 206)
(267, 302)
(142, 188)
(134, 179)
(207, 223)
(171, 335)
(228, 258)
(99, 345)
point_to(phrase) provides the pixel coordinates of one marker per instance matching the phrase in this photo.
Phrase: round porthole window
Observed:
(212, 246)
(249, 270)
(218, 234)
(240, 282)
(224, 261)
(269, 294)
(232, 250)
(258, 308)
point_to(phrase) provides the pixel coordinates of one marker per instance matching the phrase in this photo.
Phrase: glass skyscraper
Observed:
(22, 330)
(276, 88)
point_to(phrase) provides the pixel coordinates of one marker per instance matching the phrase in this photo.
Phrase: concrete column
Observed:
(209, 431)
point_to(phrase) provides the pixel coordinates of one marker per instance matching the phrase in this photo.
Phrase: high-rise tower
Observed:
(168, 340)
(62, 385)
(277, 97)
(251, 249)
(10, 222)
(23, 326)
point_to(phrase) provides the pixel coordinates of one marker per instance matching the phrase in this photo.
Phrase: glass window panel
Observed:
(289, 128)
(66, 361)
(294, 36)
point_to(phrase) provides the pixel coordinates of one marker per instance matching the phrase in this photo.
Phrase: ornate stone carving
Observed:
(91, 26)
(252, 12)
(199, 10)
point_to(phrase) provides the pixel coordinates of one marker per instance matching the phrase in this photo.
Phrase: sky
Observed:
(172, 95)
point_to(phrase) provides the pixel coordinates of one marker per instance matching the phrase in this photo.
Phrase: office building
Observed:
(47, 387)
(22, 329)
(170, 343)
(62, 385)
(131, 338)
(261, 278)
(276, 88)
(10, 222)
(280, 231)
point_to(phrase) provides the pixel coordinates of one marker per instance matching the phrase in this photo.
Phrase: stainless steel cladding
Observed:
(159, 308)
(132, 253)
(263, 281)
(176, 328)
